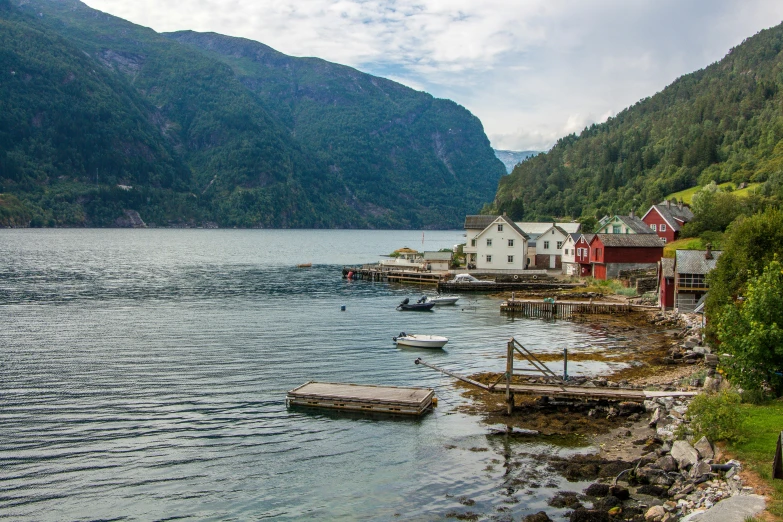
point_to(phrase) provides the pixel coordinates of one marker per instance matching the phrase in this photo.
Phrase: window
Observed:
(472, 242)
(559, 245)
(664, 240)
(489, 242)
(489, 259)
(546, 245)
(616, 229)
(663, 228)
(500, 227)
(510, 259)
(511, 242)
(653, 227)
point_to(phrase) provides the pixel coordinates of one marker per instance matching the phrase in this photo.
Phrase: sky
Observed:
(531, 70)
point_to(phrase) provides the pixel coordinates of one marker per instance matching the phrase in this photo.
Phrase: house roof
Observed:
(437, 256)
(536, 228)
(672, 213)
(587, 238)
(630, 240)
(575, 236)
(667, 267)
(633, 222)
(406, 250)
(694, 261)
(475, 222)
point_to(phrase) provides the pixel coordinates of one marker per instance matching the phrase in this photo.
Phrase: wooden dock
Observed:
(393, 275)
(490, 286)
(542, 308)
(361, 397)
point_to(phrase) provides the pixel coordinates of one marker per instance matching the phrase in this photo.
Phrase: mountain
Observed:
(721, 123)
(510, 158)
(102, 117)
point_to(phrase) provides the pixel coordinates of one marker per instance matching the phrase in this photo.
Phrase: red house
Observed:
(582, 254)
(611, 253)
(666, 284)
(667, 219)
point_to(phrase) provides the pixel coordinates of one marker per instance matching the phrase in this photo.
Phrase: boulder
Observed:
(597, 490)
(655, 514)
(589, 515)
(704, 448)
(537, 517)
(684, 454)
(700, 470)
(666, 463)
(620, 492)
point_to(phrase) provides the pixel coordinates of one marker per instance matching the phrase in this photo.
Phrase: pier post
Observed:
(565, 364)
(509, 373)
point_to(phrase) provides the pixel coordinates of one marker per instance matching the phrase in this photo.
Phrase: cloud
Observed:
(531, 70)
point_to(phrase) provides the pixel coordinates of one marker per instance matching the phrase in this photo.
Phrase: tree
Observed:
(751, 331)
(713, 210)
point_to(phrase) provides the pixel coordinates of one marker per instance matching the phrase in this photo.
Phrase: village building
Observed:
(690, 282)
(437, 260)
(666, 283)
(611, 253)
(630, 224)
(494, 243)
(546, 241)
(667, 219)
(568, 256)
(576, 261)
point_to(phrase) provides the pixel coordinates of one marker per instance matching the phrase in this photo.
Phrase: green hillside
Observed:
(723, 123)
(96, 102)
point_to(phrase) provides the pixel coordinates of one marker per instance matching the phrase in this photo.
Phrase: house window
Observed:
(489, 259)
(663, 228)
(472, 242)
(559, 245)
(664, 240)
(511, 242)
(653, 227)
(489, 242)
(510, 259)
(500, 227)
(546, 245)
(616, 229)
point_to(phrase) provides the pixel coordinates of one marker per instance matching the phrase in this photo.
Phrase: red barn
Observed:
(611, 253)
(667, 219)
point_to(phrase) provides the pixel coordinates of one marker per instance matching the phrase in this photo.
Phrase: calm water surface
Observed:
(143, 375)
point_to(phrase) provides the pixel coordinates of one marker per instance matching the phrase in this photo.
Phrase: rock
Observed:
(537, 517)
(565, 499)
(657, 417)
(620, 492)
(627, 408)
(655, 491)
(597, 490)
(711, 383)
(615, 511)
(666, 463)
(589, 515)
(607, 503)
(689, 344)
(704, 448)
(700, 469)
(655, 514)
(650, 405)
(684, 454)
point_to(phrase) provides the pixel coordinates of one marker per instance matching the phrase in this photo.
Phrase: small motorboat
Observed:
(420, 341)
(304, 265)
(443, 300)
(421, 305)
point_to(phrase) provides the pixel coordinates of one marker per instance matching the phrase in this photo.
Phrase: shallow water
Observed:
(143, 376)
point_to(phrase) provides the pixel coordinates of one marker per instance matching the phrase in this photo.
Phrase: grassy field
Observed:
(689, 243)
(687, 195)
(763, 427)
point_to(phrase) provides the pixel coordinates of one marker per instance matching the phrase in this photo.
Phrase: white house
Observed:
(437, 260)
(546, 253)
(618, 224)
(568, 256)
(494, 243)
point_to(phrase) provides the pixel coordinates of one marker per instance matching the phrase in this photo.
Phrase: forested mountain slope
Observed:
(722, 123)
(96, 102)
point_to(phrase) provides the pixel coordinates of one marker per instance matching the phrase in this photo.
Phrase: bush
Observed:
(718, 416)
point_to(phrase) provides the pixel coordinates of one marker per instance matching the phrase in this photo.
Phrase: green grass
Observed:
(688, 243)
(687, 195)
(763, 426)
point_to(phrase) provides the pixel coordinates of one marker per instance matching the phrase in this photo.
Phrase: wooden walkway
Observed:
(584, 393)
(357, 397)
(541, 308)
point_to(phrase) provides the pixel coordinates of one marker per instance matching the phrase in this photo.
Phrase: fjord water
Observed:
(143, 375)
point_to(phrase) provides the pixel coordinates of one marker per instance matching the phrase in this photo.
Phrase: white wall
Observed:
(499, 250)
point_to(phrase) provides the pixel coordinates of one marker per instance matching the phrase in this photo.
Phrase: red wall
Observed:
(632, 255)
(582, 244)
(599, 271)
(654, 218)
(667, 292)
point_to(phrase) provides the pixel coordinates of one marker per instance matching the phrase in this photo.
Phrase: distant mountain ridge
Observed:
(207, 129)
(722, 123)
(511, 158)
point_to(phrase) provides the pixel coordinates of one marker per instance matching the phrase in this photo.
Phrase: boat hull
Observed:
(416, 307)
(443, 301)
(422, 341)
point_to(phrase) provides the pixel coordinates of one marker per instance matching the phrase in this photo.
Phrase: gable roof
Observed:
(538, 228)
(671, 214)
(437, 256)
(587, 237)
(479, 222)
(694, 261)
(504, 219)
(633, 222)
(630, 240)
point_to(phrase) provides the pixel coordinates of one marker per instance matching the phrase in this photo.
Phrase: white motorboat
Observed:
(420, 341)
(443, 300)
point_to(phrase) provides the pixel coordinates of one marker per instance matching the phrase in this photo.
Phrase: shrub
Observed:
(718, 416)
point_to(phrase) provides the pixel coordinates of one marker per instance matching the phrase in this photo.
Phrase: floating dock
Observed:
(395, 400)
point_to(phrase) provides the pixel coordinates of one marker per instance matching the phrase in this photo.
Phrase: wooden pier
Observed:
(556, 387)
(490, 286)
(394, 400)
(544, 308)
(394, 275)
